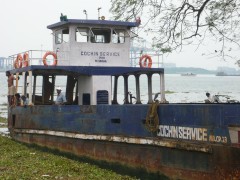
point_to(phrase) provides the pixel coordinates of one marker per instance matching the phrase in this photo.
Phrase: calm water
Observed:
(183, 89)
(193, 89)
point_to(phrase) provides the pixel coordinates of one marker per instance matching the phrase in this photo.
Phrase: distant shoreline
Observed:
(182, 70)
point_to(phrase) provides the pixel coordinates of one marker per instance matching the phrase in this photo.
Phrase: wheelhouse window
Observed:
(119, 36)
(101, 35)
(61, 36)
(83, 34)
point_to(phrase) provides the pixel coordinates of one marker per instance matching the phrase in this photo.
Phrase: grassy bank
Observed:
(3, 120)
(18, 161)
(22, 161)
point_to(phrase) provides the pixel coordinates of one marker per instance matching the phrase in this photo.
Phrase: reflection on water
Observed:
(182, 89)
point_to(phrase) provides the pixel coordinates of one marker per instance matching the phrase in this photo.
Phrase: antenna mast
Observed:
(85, 12)
(99, 13)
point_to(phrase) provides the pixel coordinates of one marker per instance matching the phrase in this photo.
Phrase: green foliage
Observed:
(3, 120)
(125, 7)
(169, 92)
(173, 24)
(21, 162)
(166, 50)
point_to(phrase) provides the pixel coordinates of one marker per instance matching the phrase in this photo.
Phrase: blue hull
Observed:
(192, 140)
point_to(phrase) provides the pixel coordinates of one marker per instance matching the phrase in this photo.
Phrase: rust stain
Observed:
(141, 156)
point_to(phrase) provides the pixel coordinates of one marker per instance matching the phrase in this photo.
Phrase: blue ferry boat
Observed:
(89, 57)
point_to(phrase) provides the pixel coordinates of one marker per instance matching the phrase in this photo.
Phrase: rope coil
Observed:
(152, 120)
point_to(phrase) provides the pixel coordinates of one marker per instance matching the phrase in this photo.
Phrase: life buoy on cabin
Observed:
(145, 61)
(18, 61)
(45, 58)
(25, 59)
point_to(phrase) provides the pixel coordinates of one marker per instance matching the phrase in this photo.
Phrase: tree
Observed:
(174, 23)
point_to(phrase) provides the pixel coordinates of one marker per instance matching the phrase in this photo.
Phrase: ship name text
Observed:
(188, 133)
(96, 53)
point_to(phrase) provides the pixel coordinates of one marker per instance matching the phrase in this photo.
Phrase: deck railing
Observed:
(35, 57)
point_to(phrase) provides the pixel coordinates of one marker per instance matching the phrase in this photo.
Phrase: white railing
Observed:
(35, 57)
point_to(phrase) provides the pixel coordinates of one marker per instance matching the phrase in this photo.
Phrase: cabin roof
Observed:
(92, 22)
(86, 70)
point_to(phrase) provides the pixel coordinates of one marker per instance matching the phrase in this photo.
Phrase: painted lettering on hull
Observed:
(190, 133)
(218, 139)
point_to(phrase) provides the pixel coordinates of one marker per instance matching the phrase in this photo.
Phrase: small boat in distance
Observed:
(188, 74)
(221, 73)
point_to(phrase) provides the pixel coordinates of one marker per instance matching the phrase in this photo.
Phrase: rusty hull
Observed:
(117, 134)
(172, 162)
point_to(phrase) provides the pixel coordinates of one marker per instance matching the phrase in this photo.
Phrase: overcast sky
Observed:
(23, 27)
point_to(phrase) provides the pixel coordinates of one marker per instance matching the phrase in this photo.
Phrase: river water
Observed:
(180, 89)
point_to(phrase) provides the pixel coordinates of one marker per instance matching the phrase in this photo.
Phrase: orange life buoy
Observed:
(145, 61)
(45, 58)
(18, 61)
(25, 59)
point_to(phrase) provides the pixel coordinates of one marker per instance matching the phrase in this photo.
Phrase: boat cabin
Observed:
(89, 56)
(92, 42)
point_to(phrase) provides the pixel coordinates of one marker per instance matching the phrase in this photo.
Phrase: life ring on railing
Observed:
(25, 59)
(145, 61)
(18, 61)
(45, 58)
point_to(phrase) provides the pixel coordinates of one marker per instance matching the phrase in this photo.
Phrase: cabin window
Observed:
(100, 35)
(83, 34)
(62, 36)
(119, 36)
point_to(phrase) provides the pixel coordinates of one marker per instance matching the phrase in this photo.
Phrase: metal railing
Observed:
(35, 57)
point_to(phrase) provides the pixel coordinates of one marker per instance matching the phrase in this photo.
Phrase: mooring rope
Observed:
(152, 121)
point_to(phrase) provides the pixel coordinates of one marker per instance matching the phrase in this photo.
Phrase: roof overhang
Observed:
(92, 22)
(87, 70)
